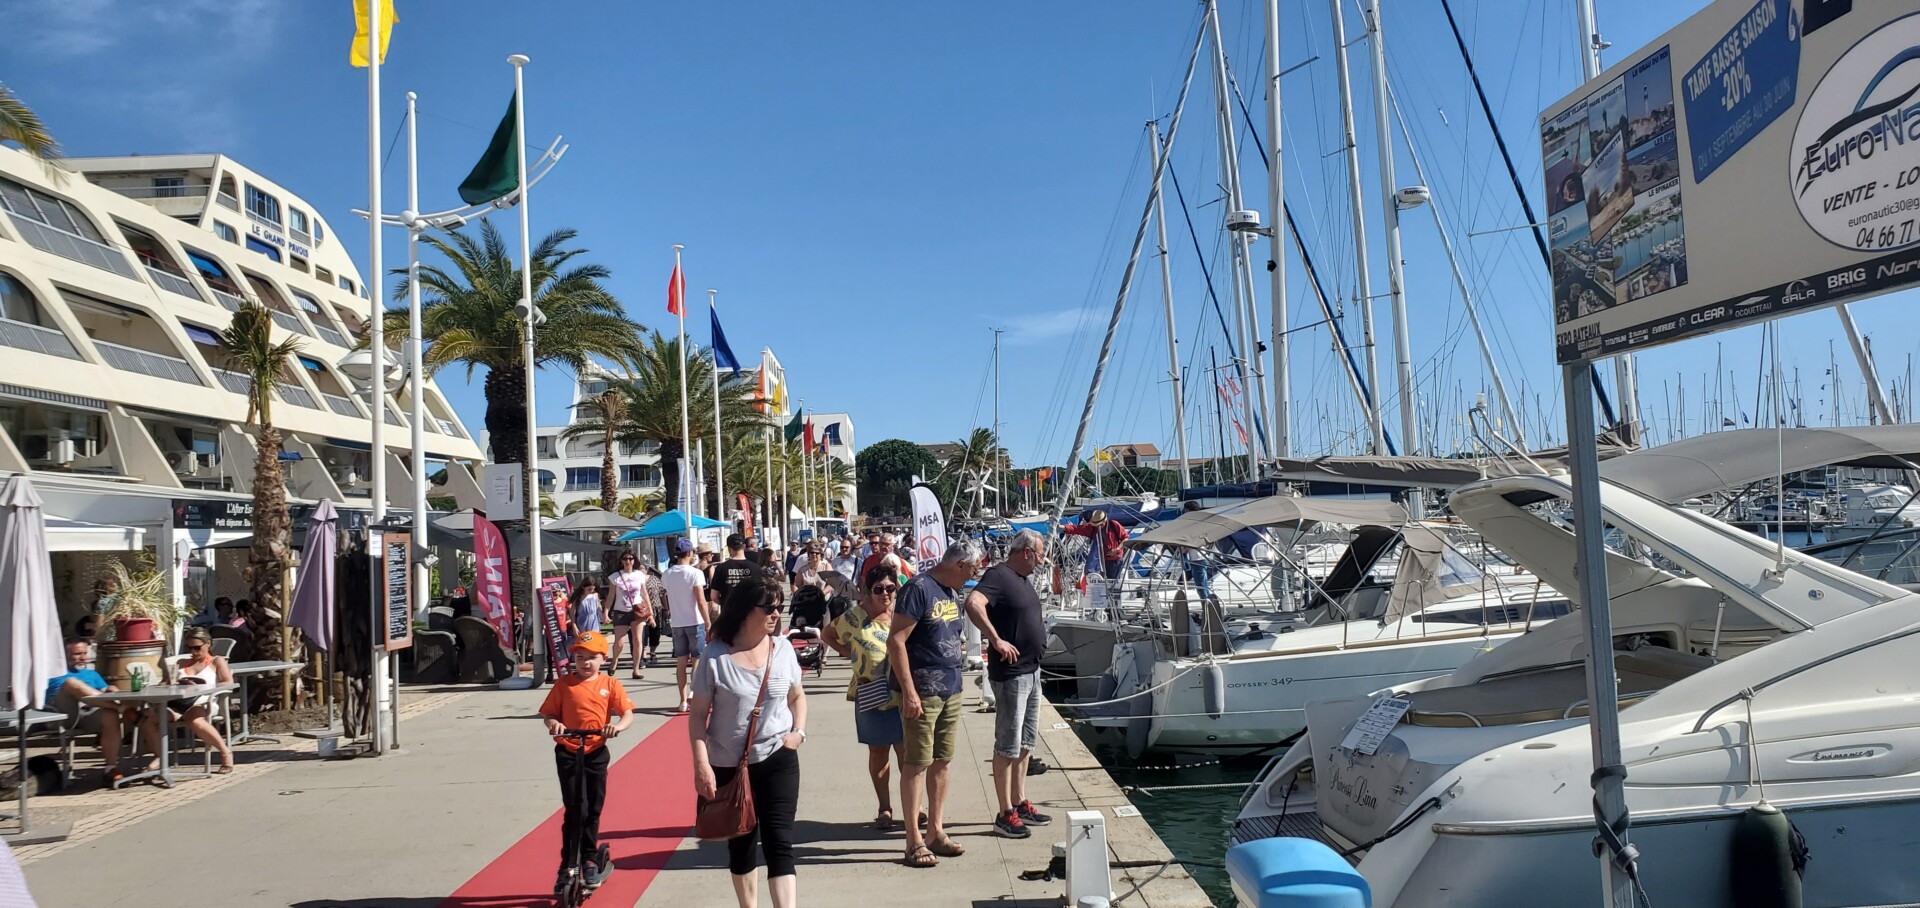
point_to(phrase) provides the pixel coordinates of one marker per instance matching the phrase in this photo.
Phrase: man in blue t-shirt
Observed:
(65, 693)
(926, 648)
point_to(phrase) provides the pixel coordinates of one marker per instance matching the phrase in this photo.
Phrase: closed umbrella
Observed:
(31, 648)
(313, 587)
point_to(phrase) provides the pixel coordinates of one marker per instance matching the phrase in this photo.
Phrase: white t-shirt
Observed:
(734, 691)
(684, 583)
(629, 588)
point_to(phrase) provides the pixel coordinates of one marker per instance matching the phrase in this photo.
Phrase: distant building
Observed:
(943, 451)
(834, 432)
(1135, 454)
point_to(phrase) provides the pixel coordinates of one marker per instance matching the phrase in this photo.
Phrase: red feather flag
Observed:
(677, 293)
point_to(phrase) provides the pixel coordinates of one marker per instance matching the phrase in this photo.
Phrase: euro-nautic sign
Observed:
(1759, 159)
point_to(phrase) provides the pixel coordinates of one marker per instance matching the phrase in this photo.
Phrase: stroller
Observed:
(807, 647)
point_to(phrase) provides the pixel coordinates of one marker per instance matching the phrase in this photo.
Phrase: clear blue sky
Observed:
(872, 187)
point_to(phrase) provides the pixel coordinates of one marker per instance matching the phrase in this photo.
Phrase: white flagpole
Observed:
(376, 334)
(719, 462)
(417, 462)
(686, 430)
(767, 511)
(806, 467)
(530, 474)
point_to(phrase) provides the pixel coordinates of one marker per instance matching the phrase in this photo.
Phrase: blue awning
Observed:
(267, 249)
(207, 265)
(313, 365)
(201, 335)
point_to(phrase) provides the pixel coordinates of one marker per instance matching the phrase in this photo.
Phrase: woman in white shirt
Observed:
(726, 689)
(632, 610)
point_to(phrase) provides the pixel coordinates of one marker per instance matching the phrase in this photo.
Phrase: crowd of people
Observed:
(739, 682)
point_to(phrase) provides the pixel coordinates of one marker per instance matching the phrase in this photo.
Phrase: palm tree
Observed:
(651, 393)
(468, 319)
(636, 507)
(249, 348)
(980, 452)
(606, 410)
(583, 503)
(21, 126)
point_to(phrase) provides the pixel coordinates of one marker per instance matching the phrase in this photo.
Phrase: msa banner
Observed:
(929, 527)
(1762, 158)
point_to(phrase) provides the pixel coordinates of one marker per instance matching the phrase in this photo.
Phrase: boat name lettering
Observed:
(1851, 753)
(1269, 682)
(1355, 792)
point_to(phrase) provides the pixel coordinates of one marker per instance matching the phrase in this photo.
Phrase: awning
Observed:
(65, 535)
(1692, 467)
(313, 365)
(201, 335)
(306, 302)
(1199, 529)
(266, 249)
(208, 266)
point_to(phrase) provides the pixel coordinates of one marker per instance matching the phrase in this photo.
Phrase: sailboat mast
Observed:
(999, 492)
(1166, 294)
(1390, 220)
(1877, 408)
(1243, 312)
(1363, 287)
(1276, 249)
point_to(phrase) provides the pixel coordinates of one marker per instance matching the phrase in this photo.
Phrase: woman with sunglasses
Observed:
(199, 666)
(727, 684)
(860, 634)
(632, 610)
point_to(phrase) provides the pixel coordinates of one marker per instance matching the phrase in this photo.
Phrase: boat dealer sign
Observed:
(1760, 159)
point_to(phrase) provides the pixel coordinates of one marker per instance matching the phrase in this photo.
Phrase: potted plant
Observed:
(139, 607)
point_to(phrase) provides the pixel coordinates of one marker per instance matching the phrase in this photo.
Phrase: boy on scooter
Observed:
(584, 698)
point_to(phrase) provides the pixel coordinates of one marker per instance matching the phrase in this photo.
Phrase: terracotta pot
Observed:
(132, 630)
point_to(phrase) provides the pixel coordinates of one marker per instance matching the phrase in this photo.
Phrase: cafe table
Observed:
(241, 672)
(156, 697)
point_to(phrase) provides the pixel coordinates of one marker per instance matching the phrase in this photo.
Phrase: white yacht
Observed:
(116, 274)
(1742, 667)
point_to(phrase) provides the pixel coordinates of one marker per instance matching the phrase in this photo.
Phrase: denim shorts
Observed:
(689, 641)
(1016, 715)
(879, 727)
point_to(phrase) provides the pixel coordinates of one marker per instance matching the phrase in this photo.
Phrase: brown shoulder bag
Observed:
(729, 813)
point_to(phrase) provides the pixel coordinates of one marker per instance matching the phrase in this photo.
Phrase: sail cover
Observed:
(1200, 529)
(1692, 467)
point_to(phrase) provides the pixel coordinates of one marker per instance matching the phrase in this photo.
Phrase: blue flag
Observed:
(722, 354)
(831, 436)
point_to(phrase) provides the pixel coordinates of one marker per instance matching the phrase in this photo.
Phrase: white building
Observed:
(834, 434)
(116, 274)
(570, 467)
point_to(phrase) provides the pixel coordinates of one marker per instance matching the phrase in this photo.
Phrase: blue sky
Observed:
(873, 187)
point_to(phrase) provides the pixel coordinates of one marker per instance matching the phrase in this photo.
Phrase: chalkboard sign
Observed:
(396, 582)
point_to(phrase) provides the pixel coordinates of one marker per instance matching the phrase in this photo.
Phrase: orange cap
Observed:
(591, 641)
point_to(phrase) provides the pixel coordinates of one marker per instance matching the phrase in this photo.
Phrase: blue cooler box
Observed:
(1283, 872)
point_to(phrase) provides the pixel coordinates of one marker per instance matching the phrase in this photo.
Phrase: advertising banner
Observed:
(1759, 159)
(553, 620)
(929, 527)
(492, 592)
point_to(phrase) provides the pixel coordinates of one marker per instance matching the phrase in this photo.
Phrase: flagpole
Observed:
(806, 467)
(530, 472)
(719, 462)
(785, 495)
(417, 462)
(679, 296)
(767, 511)
(377, 343)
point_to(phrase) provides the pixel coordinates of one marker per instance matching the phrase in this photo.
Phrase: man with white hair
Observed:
(883, 549)
(925, 650)
(1004, 606)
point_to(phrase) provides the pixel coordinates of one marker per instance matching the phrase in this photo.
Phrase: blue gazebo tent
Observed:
(670, 523)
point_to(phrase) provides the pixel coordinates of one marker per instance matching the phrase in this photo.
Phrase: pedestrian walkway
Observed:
(467, 818)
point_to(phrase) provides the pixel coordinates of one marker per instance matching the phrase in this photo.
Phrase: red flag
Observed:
(809, 436)
(677, 292)
(490, 588)
(1023, 483)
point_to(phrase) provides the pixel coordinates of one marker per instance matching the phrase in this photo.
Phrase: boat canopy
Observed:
(1423, 472)
(1203, 528)
(1689, 468)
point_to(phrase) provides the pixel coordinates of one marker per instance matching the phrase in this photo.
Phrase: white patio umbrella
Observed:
(30, 653)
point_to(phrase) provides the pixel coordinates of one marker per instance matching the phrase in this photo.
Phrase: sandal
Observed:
(225, 769)
(920, 856)
(111, 776)
(884, 821)
(946, 847)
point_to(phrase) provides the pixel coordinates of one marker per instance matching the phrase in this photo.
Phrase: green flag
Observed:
(797, 426)
(498, 172)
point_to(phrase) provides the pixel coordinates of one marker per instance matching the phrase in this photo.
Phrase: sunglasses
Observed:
(771, 608)
(886, 590)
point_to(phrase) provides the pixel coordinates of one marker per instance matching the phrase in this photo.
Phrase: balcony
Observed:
(229, 301)
(331, 336)
(227, 201)
(302, 237)
(288, 321)
(129, 359)
(162, 192)
(23, 336)
(651, 482)
(341, 405)
(392, 418)
(74, 246)
(296, 395)
(233, 381)
(167, 280)
(593, 486)
(449, 427)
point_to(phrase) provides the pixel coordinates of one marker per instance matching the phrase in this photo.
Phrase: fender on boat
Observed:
(1213, 689)
(1288, 872)
(1766, 862)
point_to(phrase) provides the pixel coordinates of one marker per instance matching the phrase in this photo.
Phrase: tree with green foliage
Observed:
(21, 126)
(884, 471)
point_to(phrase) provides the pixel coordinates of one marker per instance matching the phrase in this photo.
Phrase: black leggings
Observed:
(776, 794)
(651, 636)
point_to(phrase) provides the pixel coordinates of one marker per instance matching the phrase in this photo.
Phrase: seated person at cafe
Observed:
(198, 665)
(65, 693)
(222, 614)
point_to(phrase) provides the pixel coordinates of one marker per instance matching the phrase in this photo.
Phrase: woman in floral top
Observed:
(860, 634)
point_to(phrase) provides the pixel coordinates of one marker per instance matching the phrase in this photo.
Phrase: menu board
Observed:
(395, 573)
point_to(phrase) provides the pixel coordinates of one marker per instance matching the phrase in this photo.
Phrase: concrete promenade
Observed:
(467, 818)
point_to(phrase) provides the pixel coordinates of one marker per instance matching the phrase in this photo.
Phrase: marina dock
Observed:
(468, 816)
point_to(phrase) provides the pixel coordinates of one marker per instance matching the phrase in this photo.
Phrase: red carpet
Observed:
(649, 812)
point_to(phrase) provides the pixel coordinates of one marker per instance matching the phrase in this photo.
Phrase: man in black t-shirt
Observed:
(1007, 610)
(731, 572)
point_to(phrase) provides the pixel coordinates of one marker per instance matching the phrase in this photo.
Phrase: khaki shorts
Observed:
(931, 738)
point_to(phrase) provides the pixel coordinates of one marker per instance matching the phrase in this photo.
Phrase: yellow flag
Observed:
(780, 397)
(361, 28)
(1102, 456)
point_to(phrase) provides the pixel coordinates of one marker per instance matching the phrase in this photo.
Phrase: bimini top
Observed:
(1421, 472)
(1199, 529)
(1673, 473)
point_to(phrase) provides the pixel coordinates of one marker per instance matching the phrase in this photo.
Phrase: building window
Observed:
(169, 187)
(263, 206)
(639, 474)
(583, 478)
(319, 232)
(325, 276)
(544, 446)
(226, 232)
(42, 208)
(298, 263)
(346, 284)
(17, 303)
(594, 388)
(297, 219)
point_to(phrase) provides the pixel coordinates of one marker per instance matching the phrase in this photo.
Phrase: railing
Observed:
(430, 426)
(331, 336)
(74, 246)
(288, 321)
(341, 405)
(264, 220)
(36, 339)
(167, 280)
(233, 381)
(305, 238)
(296, 395)
(449, 427)
(227, 201)
(129, 359)
(393, 419)
(582, 486)
(182, 191)
(231, 302)
(651, 482)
